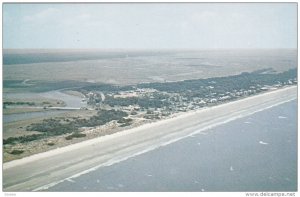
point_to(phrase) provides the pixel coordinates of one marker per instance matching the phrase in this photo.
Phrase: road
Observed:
(43, 170)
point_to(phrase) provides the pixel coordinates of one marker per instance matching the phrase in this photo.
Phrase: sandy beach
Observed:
(44, 170)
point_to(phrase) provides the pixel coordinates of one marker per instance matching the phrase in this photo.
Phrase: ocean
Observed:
(254, 153)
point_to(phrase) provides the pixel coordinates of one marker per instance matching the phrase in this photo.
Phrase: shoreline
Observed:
(181, 125)
(146, 125)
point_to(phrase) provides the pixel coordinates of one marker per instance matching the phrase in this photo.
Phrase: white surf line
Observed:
(115, 161)
(70, 180)
(282, 117)
(263, 143)
(242, 116)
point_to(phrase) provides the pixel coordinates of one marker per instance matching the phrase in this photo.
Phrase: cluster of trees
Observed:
(18, 103)
(52, 127)
(16, 152)
(75, 135)
(103, 117)
(22, 139)
(56, 126)
(224, 84)
(151, 116)
(155, 101)
(220, 85)
(125, 122)
(106, 88)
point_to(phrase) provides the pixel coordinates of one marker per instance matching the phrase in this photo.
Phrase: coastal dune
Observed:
(41, 171)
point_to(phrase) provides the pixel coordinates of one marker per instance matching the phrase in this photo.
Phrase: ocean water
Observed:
(70, 101)
(254, 153)
(27, 56)
(7, 118)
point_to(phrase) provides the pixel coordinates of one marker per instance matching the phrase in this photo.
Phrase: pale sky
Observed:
(150, 25)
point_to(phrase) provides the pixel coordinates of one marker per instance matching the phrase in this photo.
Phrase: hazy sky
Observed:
(144, 25)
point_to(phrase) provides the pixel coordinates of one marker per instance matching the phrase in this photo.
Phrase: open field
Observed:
(46, 169)
(132, 67)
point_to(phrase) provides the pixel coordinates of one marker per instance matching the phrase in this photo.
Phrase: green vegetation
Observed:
(75, 135)
(106, 88)
(223, 84)
(53, 127)
(125, 124)
(155, 101)
(18, 103)
(133, 113)
(166, 94)
(23, 139)
(60, 126)
(151, 116)
(149, 112)
(16, 152)
(103, 117)
(125, 120)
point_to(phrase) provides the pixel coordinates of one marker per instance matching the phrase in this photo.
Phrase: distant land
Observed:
(125, 67)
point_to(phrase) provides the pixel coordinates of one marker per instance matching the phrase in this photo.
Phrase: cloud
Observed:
(42, 16)
(84, 16)
(197, 25)
(204, 17)
(81, 20)
(62, 19)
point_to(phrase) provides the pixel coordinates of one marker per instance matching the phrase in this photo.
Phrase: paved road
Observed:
(43, 170)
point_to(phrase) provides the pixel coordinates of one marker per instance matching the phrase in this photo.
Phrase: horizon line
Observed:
(84, 48)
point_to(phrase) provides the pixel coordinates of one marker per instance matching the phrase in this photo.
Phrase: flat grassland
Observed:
(132, 67)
